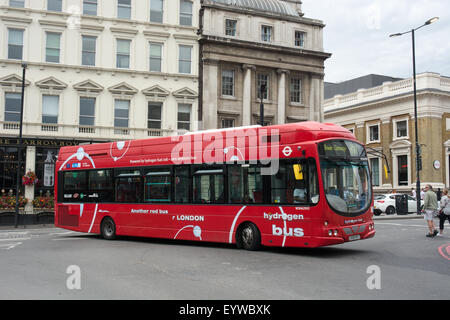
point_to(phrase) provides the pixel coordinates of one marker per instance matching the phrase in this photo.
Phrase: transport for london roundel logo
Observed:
(287, 151)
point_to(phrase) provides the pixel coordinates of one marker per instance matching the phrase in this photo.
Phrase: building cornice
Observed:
(245, 11)
(205, 39)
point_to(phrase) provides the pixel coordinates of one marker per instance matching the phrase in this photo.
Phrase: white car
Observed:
(385, 203)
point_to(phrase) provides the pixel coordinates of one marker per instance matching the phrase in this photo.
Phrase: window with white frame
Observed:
(401, 128)
(154, 115)
(156, 11)
(89, 44)
(15, 44)
(12, 107)
(375, 170)
(266, 33)
(373, 133)
(402, 170)
(296, 90)
(186, 12)
(155, 56)
(184, 116)
(87, 111)
(54, 5)
(50, 107)
(228, 82)
(124, 9)
(121, 113)
(90, 7)
(17, 3)
(123, 53)
(185, 59)
(52, 47)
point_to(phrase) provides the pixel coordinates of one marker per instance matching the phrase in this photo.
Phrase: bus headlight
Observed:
(330, 232)
(335, 233)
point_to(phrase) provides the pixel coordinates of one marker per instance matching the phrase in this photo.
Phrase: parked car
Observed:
(385, 203)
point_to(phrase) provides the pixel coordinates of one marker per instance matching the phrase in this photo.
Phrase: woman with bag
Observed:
(444, 213)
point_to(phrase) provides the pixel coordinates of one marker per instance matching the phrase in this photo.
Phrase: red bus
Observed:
(294, 185)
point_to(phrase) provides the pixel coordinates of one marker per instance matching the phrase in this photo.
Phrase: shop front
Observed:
(38, 161)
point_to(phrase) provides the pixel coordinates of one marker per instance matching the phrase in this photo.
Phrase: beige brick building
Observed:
(382, 117)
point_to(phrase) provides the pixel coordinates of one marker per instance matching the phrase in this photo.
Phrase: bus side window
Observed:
(101, 184)
(157, 185)
(208, 185)
(128, 186)
(244, 184)
(75, 185)
(181, 184)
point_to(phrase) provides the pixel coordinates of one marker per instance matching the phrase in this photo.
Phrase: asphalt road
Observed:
(50, 263)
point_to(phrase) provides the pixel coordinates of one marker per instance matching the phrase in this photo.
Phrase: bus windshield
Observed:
(346, 177)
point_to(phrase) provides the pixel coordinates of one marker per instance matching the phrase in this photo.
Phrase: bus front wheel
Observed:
(108, 229)
(248, 237)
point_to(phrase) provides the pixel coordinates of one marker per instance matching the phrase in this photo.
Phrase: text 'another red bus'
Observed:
(294, 185)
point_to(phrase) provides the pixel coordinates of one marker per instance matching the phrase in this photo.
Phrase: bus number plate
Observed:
(355, 237)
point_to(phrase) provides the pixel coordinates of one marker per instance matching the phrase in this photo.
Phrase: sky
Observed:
(357, 35)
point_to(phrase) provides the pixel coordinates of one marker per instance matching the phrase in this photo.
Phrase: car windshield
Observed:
(345, 175)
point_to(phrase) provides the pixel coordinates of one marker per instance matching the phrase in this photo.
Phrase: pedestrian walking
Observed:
(439, 194)
(430, 206)
(413, 193)
(445, 211)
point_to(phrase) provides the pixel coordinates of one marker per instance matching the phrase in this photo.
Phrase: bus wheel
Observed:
(248, 237)
(108, 229)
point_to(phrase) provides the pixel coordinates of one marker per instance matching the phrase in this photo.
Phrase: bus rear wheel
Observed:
(108, 229)
(248, 237)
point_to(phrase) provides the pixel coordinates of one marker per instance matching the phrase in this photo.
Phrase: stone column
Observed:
(315, 94)
(247, 95)
(210, 95)
(30, 165)
(281, 96)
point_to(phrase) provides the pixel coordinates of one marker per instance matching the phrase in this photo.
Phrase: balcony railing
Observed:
(84, 132)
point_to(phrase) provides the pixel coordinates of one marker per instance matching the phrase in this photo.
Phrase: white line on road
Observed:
(60, 233)
(15, 239)
(8, 246)
(399, 225)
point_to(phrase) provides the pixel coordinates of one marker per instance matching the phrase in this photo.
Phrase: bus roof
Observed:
(291, 133)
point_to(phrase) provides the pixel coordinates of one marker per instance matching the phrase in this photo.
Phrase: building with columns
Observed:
(382, 117)
(246, 44)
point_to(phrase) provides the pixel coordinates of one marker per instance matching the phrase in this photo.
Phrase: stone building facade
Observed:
(382, 118)
(98, 70)
(245, 44)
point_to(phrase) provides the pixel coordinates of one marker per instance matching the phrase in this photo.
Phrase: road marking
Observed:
(60, 233)
(15, 239)
(444, 251)
(399, 225)
(8, 246)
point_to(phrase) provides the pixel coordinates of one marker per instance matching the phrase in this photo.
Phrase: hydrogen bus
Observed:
(302, 184)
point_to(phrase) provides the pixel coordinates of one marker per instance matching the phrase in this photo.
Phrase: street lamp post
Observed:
(262, 90)
(416, 131)
(19, 147)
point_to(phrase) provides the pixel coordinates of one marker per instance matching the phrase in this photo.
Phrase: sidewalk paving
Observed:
(384, 216)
